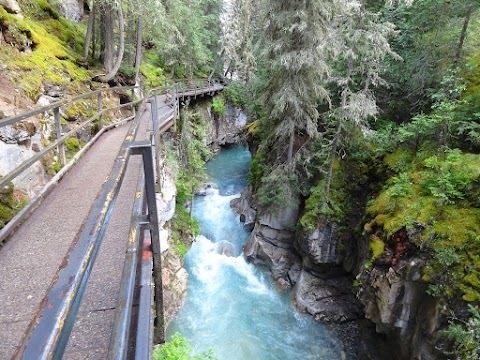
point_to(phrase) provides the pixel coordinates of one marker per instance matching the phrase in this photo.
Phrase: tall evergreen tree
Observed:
(359, 45)
(294, 39)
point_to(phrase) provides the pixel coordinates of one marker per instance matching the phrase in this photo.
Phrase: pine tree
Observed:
(294, 39)
(359, 46)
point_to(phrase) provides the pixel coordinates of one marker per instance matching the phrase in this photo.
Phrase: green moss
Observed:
(400, 160)
(473, 279)
(72, 144)
(10, 204)
(53, 59)
(377, 246)
(56, 167)
(152, 68)
(6, 214)
(48, 9)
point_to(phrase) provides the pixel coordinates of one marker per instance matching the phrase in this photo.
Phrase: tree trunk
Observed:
(107, 38)
(113, 70)
(138, 57)
(463, 34)
(130, 46)
(333, 154)
(88, 36)
(290, 146)
(94, 31)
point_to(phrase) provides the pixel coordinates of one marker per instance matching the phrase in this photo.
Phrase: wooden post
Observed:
(133, 99)
(58, 126)
(99, 108)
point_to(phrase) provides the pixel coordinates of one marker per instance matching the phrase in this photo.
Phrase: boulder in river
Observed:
(243, 207)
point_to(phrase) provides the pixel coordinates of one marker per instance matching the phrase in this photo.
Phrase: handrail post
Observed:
(99, 109)
(155, 110)
(133, 99)
(177, 107)
(58, 126)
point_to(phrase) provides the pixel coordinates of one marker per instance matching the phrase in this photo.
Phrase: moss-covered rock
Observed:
(11, 202)
(52, 43)
(434, 199)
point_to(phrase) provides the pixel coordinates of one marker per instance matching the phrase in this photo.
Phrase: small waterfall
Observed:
(231, 304)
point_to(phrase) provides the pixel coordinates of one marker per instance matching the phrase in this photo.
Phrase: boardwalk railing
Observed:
(50, 328)
(59, 144)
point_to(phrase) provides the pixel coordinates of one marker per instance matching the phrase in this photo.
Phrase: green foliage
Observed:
(127, 70)
(447, 180)
(437, 194)
(256, 170)
(465, 336)
(184, 227)
(218, 105)
(179, 349)
(152, 69)
(400, 186)
(72, 144)
(318, 207)
(350, 184)
(186, 34)
(191, 154)
(57, 166)
(236, 93)
(278, 189)
(429, 32)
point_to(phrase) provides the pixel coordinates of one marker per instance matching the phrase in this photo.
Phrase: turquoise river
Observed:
(232, 305)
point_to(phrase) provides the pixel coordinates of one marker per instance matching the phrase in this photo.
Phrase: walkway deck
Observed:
(30, 258)
(32, 255)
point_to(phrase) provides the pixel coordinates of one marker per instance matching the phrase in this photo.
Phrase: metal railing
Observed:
(59, 144)
(49, 331)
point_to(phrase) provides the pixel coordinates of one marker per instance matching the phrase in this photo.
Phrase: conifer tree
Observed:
(359, 46)
(294, 35)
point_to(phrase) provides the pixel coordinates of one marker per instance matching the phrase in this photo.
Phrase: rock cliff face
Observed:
(174, 275)
(321, 268)
(396, 301)
(271, 243)
(226, 129)
(309, 262)
(12, 7)
(71, 9)
(21, 141)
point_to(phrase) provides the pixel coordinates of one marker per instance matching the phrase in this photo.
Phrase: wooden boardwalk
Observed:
(32, 255)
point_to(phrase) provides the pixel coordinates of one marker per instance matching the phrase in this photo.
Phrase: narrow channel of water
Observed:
(232, 305)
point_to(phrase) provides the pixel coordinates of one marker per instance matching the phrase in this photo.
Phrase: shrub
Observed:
(236, 93)
(465, 336)
(72, 144)
(218, 105)
(179, 349)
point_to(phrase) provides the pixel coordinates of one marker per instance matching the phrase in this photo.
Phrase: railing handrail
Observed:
(68, 101)
(48, 333)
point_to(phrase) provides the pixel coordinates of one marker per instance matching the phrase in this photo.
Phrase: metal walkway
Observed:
(32, 257)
